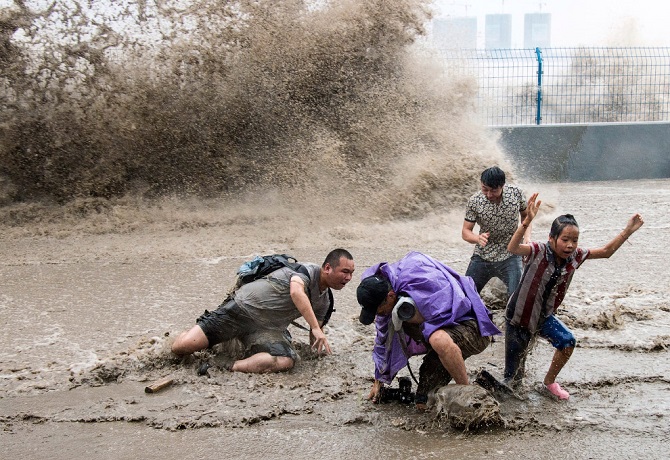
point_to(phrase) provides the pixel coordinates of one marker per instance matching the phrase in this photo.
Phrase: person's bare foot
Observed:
(421, 407)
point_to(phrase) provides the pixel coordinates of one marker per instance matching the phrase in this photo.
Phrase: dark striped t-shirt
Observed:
(543, 286)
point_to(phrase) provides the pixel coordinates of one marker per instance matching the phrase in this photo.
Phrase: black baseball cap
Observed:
(371, 293)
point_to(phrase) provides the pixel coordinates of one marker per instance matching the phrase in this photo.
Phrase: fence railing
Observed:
(567, 85)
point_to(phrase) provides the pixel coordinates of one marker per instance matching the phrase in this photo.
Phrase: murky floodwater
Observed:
(177, 143)
(86, 317)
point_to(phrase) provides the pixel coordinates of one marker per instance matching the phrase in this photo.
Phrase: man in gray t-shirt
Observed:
(497, 209)
(258, 313)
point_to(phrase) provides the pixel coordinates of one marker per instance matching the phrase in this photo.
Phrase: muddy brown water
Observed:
(87, 312)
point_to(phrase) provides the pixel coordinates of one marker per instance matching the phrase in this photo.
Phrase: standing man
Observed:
(497, 209)
(421, 306)
(259, 313)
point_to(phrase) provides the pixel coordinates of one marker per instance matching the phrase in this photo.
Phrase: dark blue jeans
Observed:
(508, 271)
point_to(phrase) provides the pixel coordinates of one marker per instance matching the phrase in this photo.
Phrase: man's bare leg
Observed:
(195, 340)
(450, 355)
(190, 341)
(263, 362)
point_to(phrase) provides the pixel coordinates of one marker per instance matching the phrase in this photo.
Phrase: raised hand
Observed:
(634, 223)
(533, 206)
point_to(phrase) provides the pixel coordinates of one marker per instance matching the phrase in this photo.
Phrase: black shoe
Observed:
(202, 370)
(487, 381)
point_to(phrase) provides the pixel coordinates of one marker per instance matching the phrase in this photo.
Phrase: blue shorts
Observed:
(517, 341)
(557, 333)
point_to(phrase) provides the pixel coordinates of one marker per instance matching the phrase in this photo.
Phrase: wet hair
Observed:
(333, 257)
(560, 223)
(493, 177)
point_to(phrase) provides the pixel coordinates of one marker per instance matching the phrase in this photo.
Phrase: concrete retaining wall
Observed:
(568, 153)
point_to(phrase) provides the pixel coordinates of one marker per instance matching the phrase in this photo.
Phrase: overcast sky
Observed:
(575, 22)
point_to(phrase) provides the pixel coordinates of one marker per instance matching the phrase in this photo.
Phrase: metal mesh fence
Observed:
(567, 85)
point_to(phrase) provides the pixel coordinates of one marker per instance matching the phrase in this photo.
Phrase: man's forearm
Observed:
(302, 303)
(470, 236)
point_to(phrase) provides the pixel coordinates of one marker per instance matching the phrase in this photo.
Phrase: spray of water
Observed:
(329, 105)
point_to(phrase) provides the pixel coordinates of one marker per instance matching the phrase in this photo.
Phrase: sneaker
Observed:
(556, 390)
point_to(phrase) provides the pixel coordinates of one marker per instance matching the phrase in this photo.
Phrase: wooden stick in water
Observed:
(159, 385)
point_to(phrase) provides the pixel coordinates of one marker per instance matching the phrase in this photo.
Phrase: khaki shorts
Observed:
(468, 338)
(466, 335)
(276, 343)
(229, 321)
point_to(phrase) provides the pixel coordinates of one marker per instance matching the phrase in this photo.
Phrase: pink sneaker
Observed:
(556, 390)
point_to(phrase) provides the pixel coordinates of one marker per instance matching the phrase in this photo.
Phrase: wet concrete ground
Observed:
(85, 318)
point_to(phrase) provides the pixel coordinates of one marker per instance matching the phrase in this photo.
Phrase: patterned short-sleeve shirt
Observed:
(500, 220)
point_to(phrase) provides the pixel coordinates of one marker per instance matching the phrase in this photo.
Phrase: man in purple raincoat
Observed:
(421, 306)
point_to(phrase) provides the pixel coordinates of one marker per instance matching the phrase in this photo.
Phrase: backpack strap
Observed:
(263, 267)
(331, 307)
(300, 268)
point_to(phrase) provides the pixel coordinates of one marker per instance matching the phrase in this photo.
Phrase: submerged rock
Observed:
(465, 406)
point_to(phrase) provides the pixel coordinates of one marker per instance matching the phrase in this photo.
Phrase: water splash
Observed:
(330, 105)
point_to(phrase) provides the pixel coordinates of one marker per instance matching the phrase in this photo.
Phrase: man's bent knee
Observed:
(190, 341)
(440, 339)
